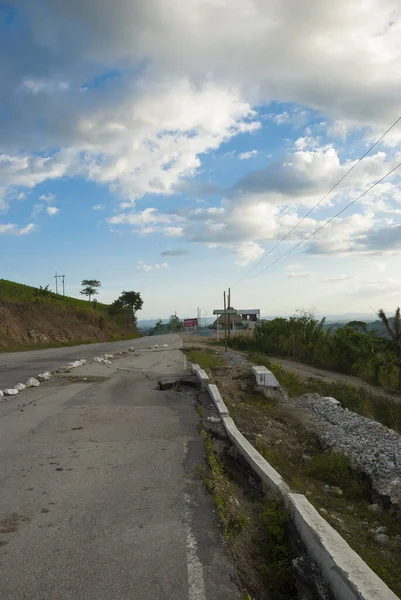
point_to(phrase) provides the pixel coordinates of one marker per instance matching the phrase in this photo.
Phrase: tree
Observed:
(89, 287)
(131, 300)
(394, 332)
(360, 326)
(174, 323)
(159, 325)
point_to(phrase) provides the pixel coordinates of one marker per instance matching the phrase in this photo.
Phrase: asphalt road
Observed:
(16, 367)
(98, 494)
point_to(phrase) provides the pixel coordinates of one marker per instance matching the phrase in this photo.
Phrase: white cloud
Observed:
(173, 231)
(12, 229)
(144, 133)
(142, 266)
(52, 210)
(300, 274)
(247, 252)
(47, 198)
(98, 207)
(248, 155)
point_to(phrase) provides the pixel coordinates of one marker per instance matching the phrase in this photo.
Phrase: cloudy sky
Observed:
(167, 147)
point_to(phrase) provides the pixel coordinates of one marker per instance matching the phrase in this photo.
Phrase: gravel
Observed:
(372, 448)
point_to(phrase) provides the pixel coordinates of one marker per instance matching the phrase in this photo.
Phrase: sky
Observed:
(168, 147)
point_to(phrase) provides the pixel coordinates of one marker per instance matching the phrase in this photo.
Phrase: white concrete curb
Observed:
(218, 400)
(271, 480)
(348, 576)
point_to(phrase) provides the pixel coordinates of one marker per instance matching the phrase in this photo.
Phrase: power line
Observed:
(327, 222)
(321, 200)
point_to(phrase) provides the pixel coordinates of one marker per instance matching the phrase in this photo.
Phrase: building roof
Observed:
(249, 311)
(228, 311)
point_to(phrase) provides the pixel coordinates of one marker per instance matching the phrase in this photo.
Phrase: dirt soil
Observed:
(41, 325)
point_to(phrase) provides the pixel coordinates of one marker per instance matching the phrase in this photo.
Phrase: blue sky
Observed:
(168, 149)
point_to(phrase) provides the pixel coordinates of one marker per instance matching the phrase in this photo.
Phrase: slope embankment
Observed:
(30, 320)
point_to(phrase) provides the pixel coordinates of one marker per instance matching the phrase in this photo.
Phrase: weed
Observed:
(277, 550)
(201, 411)
(222, 491)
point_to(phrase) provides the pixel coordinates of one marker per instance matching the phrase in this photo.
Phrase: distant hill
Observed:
(31, 317)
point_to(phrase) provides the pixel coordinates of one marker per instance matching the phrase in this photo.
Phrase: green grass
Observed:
(277, 550)
(19, 293)
(206, 359)
(358, 400)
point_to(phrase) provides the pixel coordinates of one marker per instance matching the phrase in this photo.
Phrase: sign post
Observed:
(190, 323)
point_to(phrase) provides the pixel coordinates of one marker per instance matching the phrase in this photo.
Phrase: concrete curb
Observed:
(347, 575)
(218, 400)
(271, 479)
(203, 378)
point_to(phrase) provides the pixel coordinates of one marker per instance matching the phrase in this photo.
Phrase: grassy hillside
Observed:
(30, 318)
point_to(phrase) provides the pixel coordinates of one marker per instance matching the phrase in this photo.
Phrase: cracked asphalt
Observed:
(99, 494)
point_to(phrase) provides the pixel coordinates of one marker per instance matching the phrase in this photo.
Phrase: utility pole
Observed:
(229, 316)
(63, 278)
(57, 277)
(225, 322)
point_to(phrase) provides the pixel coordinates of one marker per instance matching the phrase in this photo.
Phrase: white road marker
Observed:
(196, 583)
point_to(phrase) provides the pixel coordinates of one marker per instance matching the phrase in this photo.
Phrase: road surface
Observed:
(16, 367)
(99, 495)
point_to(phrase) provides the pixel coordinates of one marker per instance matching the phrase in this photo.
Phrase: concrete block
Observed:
(271, 480)
(44, 376)
(20, 387)
(348, 576)
(10, 392)
(1, 394)
(203, 378)
(32, 382)
(264, 377)
(218, 400)
(195, 367)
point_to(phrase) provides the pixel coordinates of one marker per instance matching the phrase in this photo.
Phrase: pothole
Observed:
(178, 384)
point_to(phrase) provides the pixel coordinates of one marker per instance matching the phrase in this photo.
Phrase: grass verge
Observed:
(207, 359)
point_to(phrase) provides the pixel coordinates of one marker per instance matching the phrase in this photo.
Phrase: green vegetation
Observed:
(277, 550)
(206, 359)
(222, 491)
(22, 294)
(358, 400)
(257, 532)
(174, 324)
(90, 288)
(349, 349)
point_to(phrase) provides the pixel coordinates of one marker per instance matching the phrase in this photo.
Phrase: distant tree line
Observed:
(350, 349)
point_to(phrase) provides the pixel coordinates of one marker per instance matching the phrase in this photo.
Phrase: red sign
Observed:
(190, 322)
